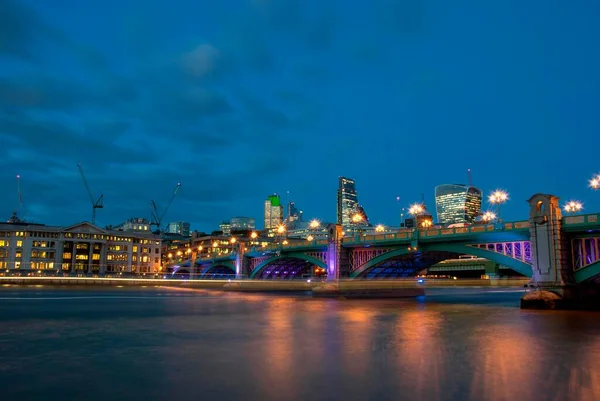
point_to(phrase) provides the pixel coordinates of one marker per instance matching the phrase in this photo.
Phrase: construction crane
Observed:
(98, 204)
(157, 217)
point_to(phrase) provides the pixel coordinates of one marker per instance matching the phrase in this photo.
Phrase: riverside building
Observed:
(81, 248)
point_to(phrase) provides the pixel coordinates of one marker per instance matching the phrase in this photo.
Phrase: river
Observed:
(168, 344)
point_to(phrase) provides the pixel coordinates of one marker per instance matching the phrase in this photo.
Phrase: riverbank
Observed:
(349, 288)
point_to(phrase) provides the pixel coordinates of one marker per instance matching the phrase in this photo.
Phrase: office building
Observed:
(79, 249)
(225, 227)
(135, 224)
(273, 212)
(457, 203)
(348, 208)
(294, 216)
(179, 227)
(242, 224)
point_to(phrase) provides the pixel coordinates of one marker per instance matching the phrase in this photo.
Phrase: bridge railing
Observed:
(407, 234)
(581, 219)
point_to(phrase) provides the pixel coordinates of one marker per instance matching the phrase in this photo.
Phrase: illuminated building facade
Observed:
(242, 224)
(81, 249)
(179, 227)
(457, 203)
(135, 224)
(294, 216)
(273, 212)
(348, 207)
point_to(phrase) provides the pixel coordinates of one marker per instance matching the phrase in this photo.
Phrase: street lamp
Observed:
(489, 216)
(357, 218)
(595, 182)
(380, 228)
(232, 240)
(281, 229)
(310, 238)
(416, 209)
(254, 235)
(573, 207)
(314, 224)
(498, 197)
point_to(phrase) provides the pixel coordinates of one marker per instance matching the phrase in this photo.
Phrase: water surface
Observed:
(162, 344)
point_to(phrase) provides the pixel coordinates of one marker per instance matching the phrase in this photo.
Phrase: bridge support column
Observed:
(241, 265)
(552, 272)
(337, 259)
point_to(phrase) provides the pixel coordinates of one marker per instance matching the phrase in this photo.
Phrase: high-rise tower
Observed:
(457, 203)
(273, 212)
(348, 207)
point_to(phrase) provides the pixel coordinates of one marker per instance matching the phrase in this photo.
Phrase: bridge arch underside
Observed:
(218, 271)
(289, 268)
(402, 263)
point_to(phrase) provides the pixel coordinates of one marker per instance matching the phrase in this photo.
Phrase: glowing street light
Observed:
(200, 248)
(233, 240)
(595, 182)
(179, 253)
(310, 238)
(416, 209)
(357, 218)
(426, 223)
(489, 216)
(170, 255)
(498, 197)
(573, 207)
(215, 244)
(314, 224)
(380, 228)
(254, 235)
(281, 229)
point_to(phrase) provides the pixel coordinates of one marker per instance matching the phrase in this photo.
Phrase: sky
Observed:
(239, 99)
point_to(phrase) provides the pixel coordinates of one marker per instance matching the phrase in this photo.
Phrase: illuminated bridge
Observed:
(547, 247)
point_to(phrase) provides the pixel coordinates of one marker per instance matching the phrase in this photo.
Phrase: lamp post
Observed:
(416, 210)
(498, 197)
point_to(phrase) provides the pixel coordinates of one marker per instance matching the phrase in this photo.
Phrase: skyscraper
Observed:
(347, 205)
(293, 215)
(457, 203)
(273, 212)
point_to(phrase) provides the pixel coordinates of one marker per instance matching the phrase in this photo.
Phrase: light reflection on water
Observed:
(162, 344)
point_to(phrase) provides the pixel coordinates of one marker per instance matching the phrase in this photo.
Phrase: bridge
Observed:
(551, 249)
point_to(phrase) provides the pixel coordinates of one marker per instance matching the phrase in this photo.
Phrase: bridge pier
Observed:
(241, 264)
(337, 256)
(552, 266)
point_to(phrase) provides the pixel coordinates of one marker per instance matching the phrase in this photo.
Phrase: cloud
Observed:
(187, 115)
(201, 61)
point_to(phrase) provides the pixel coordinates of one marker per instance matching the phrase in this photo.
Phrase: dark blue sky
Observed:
(239, 99)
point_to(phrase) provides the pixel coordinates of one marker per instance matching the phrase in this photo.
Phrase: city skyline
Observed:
(288, 97)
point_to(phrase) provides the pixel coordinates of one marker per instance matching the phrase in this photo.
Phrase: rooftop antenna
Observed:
(470, 177)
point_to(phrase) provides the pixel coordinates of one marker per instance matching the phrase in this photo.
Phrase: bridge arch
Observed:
(296, 255)
(590, 272)
(517, 265)
(218, 269)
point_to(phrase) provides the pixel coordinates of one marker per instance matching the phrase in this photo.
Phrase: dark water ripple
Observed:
(161, 344)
